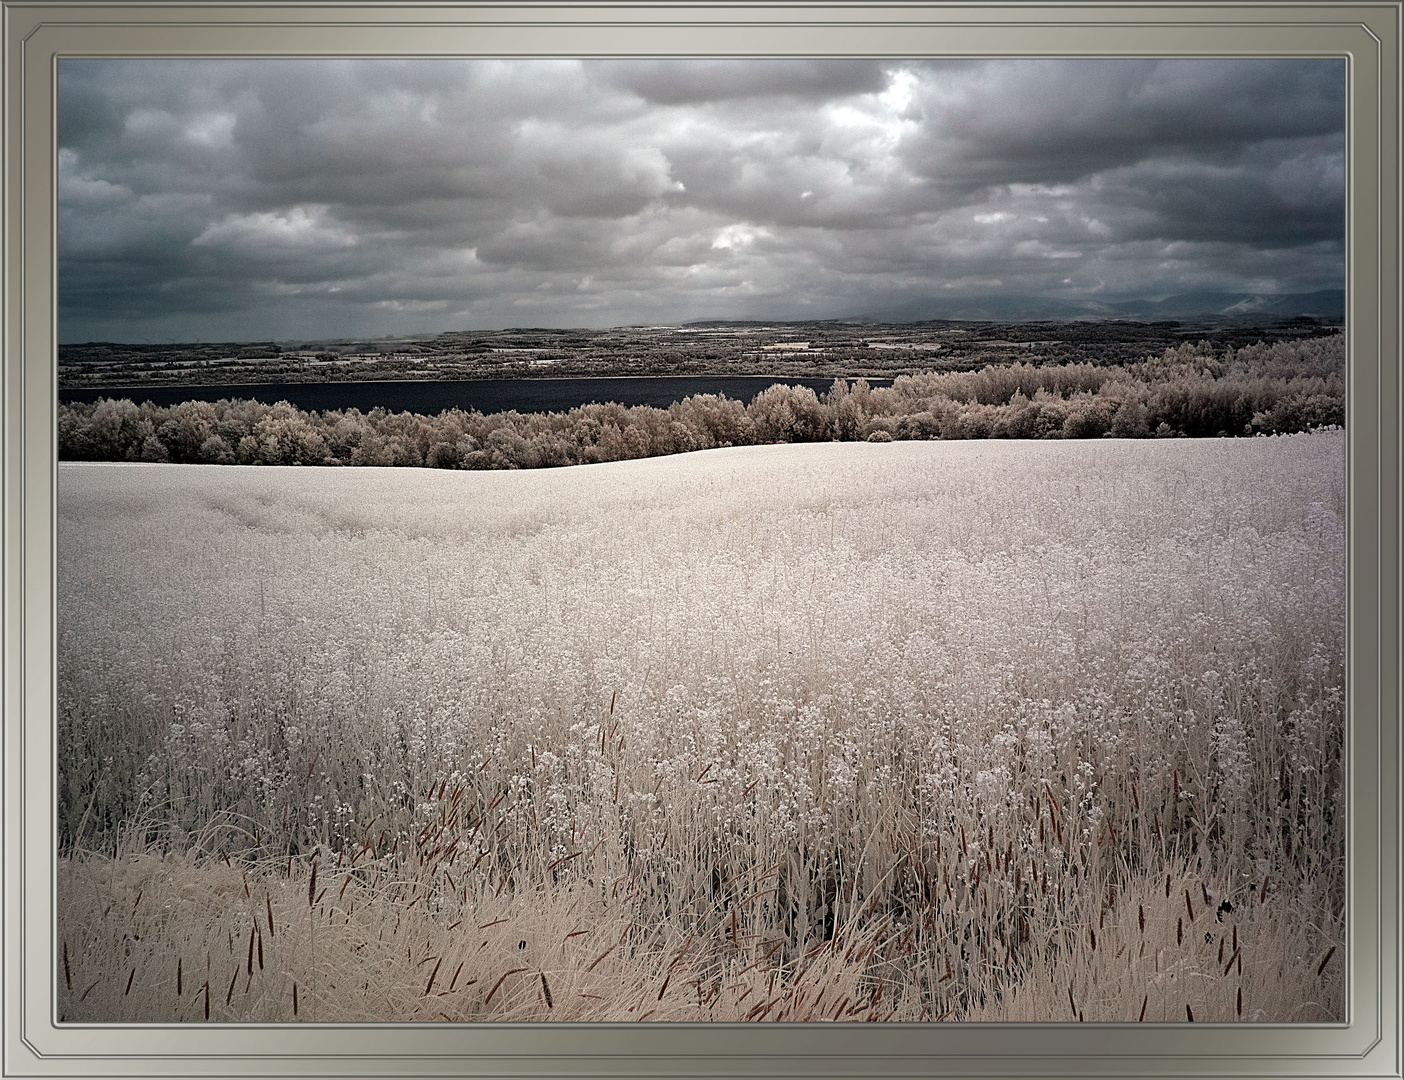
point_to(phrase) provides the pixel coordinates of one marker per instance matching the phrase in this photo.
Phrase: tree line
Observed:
(1189, 391)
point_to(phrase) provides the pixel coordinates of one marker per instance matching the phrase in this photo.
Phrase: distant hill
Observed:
(1328, 305)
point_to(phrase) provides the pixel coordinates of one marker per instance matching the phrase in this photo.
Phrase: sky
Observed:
(223, 200)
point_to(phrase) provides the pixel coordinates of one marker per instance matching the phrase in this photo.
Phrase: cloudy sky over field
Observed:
(221, 200)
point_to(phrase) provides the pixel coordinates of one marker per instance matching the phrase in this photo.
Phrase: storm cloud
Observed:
(219, 199)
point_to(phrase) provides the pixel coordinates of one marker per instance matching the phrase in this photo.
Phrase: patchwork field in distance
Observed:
(987, 730)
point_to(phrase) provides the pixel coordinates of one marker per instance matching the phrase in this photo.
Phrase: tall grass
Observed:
(933, 730)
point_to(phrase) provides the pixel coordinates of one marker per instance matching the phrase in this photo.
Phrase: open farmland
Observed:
(911, 730)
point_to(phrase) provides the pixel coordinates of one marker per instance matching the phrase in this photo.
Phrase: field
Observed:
(915, 730)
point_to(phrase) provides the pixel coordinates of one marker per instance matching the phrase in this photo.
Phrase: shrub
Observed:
(1276, 389)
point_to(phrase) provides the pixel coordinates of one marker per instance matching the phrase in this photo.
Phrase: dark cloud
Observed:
(1278, 195)
(703, 82)
(255, 199)
(1056, 121)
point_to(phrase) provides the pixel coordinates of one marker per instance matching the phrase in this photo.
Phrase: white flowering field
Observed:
(915, 730)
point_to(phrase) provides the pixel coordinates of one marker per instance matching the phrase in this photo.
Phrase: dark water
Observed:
(487, 396)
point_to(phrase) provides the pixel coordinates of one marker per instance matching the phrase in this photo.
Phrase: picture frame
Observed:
(1367, 36)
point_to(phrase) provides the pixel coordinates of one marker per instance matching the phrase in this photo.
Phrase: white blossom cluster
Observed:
(732, 658)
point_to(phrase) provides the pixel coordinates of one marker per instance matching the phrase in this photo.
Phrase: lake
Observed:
(484, 395)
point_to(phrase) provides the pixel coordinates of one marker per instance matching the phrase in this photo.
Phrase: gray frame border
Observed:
(34, 33)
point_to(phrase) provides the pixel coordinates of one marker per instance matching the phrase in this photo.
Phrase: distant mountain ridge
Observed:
(1327, 305)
